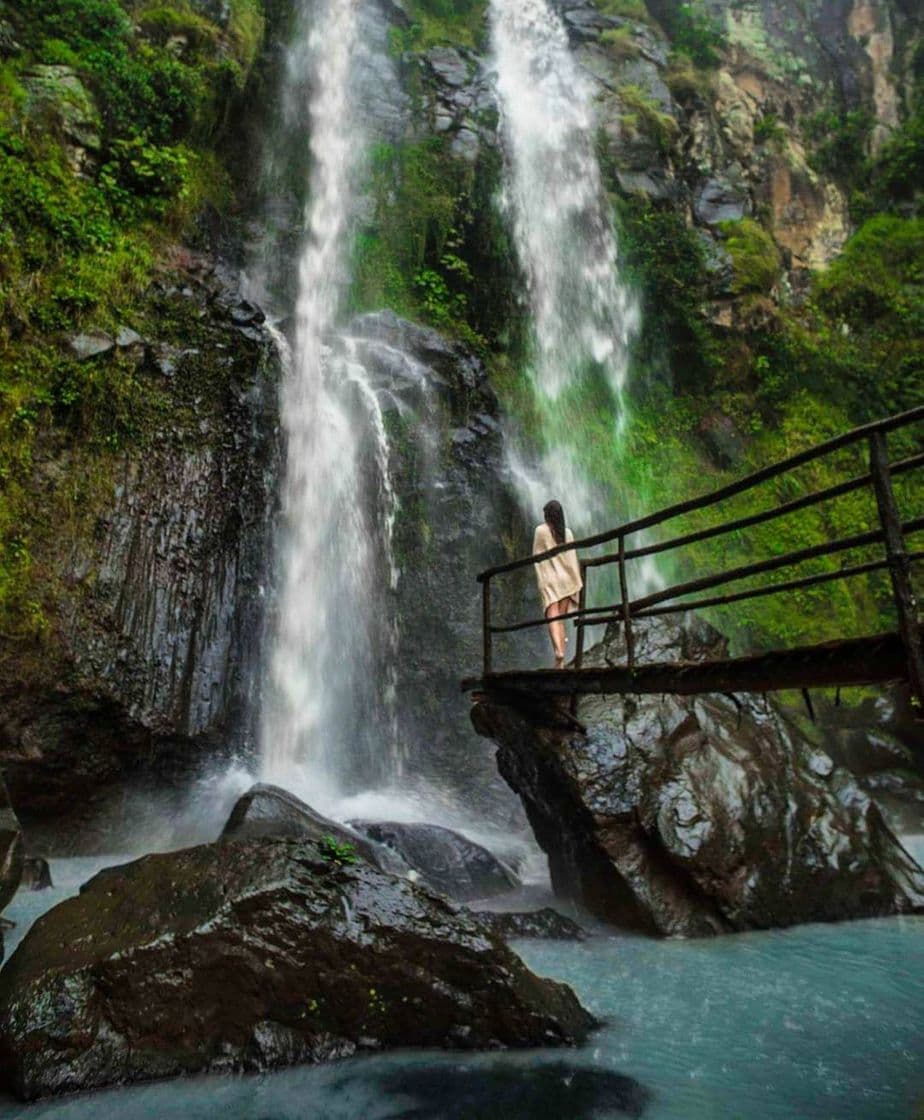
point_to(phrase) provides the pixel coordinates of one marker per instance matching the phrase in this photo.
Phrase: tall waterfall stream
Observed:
(331, 689)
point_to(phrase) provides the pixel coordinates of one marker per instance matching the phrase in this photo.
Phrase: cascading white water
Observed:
(583, 315)
(327, 697)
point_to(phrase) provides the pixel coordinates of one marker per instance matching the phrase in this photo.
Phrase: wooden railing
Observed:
(892, 532)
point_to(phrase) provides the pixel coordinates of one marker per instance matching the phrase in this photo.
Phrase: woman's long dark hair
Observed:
(555, 519)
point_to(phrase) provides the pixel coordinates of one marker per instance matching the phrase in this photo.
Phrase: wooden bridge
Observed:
(878, 658)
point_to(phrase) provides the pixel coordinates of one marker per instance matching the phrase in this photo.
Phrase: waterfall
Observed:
(583, 316)
(328, 723)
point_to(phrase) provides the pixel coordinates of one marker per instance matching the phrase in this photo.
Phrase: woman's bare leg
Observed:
(557, 630)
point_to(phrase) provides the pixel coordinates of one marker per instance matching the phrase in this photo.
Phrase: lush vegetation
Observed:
(108, 117)
(111, 113)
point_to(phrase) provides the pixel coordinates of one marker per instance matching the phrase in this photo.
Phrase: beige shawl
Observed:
(559, 577)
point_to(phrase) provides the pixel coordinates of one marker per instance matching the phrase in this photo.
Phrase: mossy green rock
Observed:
(59, 93)
(257, 954)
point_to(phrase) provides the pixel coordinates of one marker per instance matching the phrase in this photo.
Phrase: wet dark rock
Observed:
(457, 512)
(87, 346)
(245, 312)
(540, 1092)
(448, 65)
(446, 861)
(583, 21)
(546, 924)
(719, 200)
(36, 874)
(252, 954)
(267, 810)
(11, 848)
(697, 816)
(722, 439)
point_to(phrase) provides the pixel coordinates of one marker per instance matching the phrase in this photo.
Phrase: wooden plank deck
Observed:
(851, 661)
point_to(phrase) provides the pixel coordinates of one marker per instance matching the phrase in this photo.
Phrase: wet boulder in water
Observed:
(693, 816)
(447, 861)
(11, 849)
(250, 954)
(545, 924)
(36, 874)
(268, 810)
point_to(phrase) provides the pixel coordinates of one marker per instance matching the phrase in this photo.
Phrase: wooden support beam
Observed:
(854, 661)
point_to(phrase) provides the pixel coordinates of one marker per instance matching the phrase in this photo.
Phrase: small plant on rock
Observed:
(339, 853)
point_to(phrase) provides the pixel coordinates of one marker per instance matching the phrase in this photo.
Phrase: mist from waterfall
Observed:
(329, 720)
(583, 316)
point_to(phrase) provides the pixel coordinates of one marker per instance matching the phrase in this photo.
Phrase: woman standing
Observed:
(559, 577)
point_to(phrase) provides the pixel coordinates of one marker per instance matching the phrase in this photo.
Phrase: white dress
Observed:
(560, 576)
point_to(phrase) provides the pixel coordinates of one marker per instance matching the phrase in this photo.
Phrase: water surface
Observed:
(819, 1022)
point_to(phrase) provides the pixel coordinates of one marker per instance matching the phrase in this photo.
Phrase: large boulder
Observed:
(252, 954)
(447, 861)
(267, 810)
(690, 816)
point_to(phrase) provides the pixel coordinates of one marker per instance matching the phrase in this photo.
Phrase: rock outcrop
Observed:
(697, 816)
(445, 860)
(266, 810)
(146, 669)
(255, 954)
(456, 509)
(545, 924)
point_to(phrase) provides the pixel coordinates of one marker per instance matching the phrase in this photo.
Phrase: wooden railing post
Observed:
(486, 625)
(626, 613)
(579, 627)
(582, 603)
(899, 564)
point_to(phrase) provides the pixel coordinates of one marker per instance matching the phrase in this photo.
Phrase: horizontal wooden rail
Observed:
(815, 551)
(901, 467)
(639, 607)
(730, 490)
(852, 661)
(754, 592)
(815, 664)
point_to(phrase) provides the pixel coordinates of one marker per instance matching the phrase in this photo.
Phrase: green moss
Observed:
(754, 254)
(620, 42)
(428, 250)
(664, 259)
(457, 23)
(644, 112)
(692, 29)
(78, 252)
(626, 9)
(685, 79)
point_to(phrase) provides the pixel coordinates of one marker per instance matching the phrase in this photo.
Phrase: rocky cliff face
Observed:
(695, 817)
(149, 666)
